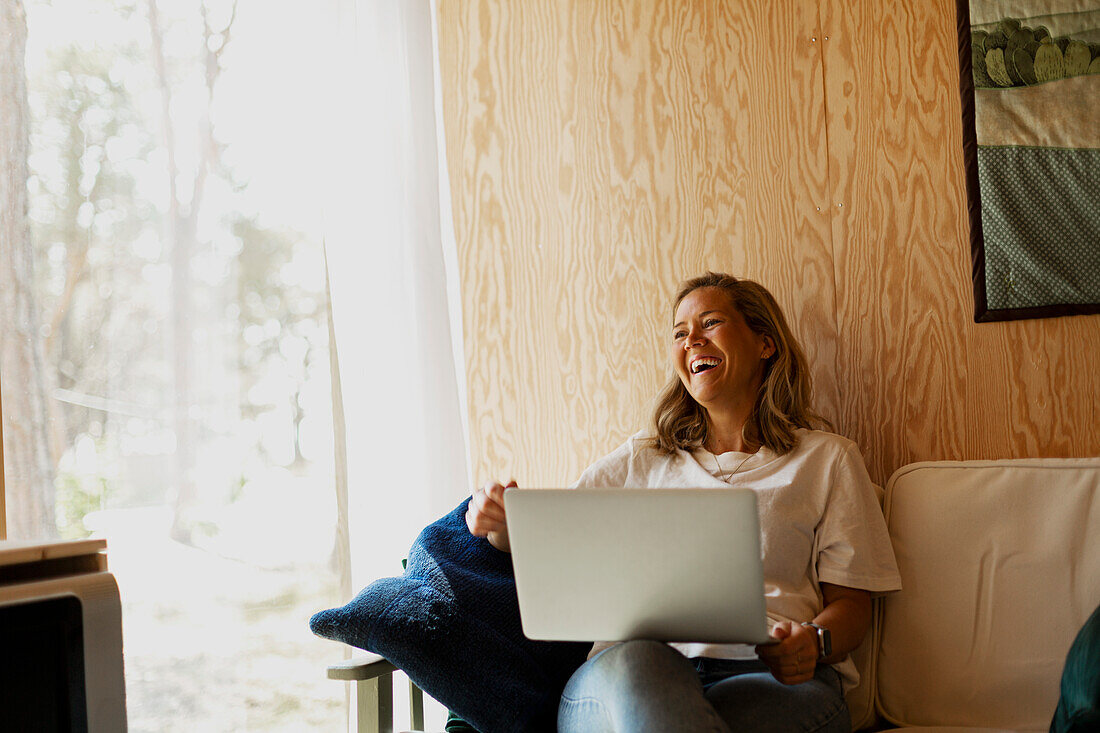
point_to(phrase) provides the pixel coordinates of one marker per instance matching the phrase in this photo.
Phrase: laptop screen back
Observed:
(678, 565)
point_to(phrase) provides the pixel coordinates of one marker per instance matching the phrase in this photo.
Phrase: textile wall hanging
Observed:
(1030, 83)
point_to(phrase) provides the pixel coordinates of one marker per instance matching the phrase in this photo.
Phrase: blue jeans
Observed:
(643, 686)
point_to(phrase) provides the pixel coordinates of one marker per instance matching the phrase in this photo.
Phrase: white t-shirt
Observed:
(820, 520)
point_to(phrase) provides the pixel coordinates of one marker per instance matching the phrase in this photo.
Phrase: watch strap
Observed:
(824, 639)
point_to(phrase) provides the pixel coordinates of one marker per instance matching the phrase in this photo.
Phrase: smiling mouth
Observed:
(704, 363)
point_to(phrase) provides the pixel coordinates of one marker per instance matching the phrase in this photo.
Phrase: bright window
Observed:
(166, 376)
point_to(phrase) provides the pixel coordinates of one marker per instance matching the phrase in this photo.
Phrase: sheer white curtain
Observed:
(389, 244)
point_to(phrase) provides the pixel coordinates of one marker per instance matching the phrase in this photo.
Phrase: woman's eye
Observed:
(710, 322)
(679, 335)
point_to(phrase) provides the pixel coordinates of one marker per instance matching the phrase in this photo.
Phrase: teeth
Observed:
(702, 362)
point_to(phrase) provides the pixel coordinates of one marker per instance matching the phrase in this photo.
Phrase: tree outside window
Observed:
(164, 344)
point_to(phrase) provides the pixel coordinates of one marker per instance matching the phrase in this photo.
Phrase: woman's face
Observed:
(716, 355)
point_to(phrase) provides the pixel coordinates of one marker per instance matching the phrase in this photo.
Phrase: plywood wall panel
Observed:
(768, 62)
(919, 379)
(1034, 388)
(895, 161)
(600, 152)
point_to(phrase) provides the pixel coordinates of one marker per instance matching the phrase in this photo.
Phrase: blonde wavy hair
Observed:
(784, 401)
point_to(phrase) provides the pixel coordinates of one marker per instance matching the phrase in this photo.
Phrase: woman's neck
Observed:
(725, 432)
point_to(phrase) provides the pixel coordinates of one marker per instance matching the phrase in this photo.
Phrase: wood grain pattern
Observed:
(924, 382)
(902, 282)
(600, 152)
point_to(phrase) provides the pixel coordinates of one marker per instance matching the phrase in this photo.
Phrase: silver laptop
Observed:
(616, 564)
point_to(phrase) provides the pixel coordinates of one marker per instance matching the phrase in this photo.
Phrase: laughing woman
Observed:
(737, 413)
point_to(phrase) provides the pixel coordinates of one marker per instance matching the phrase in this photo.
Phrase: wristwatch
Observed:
(824, 639)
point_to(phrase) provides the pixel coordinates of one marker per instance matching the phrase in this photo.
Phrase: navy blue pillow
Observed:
(451, 623)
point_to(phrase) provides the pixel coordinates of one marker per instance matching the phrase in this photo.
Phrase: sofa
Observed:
(1000, 566)
(1000, 562)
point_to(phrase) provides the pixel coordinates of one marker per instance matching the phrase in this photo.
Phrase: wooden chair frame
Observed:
(373, 678)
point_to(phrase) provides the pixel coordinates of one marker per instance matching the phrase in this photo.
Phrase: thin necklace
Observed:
(719, 466)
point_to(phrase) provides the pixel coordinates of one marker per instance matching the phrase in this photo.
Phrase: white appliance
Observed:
(60, 638)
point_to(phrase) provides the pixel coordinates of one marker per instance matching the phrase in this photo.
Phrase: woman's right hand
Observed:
(485, 514)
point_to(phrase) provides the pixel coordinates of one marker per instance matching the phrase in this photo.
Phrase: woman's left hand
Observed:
(793, 660)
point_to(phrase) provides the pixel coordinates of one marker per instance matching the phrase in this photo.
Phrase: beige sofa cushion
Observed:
(1000, 566)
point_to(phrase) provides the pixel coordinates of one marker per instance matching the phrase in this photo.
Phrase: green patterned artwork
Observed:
(1031, 120)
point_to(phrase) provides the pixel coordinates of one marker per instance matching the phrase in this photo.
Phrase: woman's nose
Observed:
(694, 338)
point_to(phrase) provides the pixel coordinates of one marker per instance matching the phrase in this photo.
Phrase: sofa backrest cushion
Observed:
(1000, 566)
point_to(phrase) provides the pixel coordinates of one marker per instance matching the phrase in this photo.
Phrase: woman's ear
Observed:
(769, 348)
